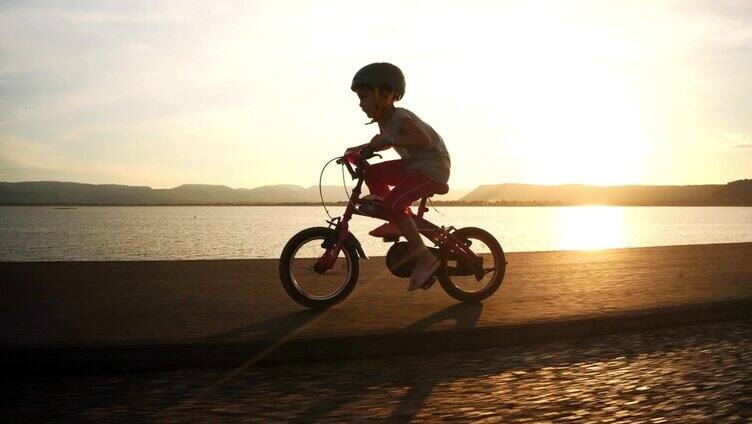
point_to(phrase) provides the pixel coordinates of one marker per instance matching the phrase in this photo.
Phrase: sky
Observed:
(245, 94)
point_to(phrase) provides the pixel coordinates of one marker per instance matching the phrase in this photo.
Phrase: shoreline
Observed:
(370, 258)
(436, 203)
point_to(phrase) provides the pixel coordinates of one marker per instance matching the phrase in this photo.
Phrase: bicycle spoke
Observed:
(314, 284)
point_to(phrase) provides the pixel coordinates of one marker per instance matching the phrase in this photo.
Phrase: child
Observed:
(422, 171)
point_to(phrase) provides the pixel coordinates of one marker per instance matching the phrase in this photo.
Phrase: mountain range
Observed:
(734, 193)
(70, 193)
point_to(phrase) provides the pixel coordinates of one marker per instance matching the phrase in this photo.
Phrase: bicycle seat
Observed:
(439, 189)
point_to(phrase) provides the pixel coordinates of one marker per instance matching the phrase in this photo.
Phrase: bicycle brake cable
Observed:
(347, 193)
(434, 207)
(321, 193)
(344, 184)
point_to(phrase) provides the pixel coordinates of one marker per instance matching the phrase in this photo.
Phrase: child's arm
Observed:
(356, 148)
(410, 135)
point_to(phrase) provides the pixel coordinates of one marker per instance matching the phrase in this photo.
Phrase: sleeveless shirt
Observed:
(432, 159)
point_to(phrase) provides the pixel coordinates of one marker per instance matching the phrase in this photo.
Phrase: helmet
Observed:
(377, 74)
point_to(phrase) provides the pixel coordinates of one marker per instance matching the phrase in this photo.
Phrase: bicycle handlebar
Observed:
(365, 153)
(358, 159)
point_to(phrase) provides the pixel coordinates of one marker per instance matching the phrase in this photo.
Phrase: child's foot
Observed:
(371, 198)
(425, 267)
(386, 230)
(408, 258)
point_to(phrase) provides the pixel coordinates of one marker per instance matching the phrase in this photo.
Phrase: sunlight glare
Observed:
(591, 227)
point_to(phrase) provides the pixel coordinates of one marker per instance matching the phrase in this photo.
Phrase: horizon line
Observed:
(332, 185)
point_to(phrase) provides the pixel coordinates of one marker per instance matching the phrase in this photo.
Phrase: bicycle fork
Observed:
(342, 228)
(333, 247)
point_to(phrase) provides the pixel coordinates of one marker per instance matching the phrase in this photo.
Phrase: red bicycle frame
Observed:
(442, 237)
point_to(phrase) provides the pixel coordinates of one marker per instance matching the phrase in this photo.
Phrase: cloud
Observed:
(740, 140)
(110, 84)
(28, 160)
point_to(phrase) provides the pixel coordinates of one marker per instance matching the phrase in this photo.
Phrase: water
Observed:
(209, 232)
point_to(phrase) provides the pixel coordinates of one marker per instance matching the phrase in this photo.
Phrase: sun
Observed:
(568, 104)
(589, 131)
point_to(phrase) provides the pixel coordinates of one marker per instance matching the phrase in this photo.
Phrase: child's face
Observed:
(367, 101)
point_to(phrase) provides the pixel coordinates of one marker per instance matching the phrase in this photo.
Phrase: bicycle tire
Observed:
(288, 279)
(489, 289)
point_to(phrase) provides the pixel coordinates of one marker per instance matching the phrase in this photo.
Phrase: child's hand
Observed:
(355, 149)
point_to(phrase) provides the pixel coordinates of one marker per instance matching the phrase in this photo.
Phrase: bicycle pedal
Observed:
(427, 285)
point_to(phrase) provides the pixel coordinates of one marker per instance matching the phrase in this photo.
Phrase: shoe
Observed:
(386, 231)
(427, 285)
(407, 260)
(371, 198)
(423, 271)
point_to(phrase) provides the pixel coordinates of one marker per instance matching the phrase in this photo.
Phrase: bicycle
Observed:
(319, 266)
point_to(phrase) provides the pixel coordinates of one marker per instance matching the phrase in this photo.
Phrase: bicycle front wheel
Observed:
(312, 288)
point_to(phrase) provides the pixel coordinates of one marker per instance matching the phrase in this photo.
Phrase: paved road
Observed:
(168, 302)
(688, 374)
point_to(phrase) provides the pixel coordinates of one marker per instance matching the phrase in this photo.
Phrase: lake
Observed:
(223, 232)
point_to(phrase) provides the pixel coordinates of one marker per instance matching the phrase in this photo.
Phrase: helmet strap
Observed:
(377, 102)
(376, 106)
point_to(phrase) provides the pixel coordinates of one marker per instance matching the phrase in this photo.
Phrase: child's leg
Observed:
(414, 186)
(399, 201)
(409, 188)
(380, 176)
(408, 229)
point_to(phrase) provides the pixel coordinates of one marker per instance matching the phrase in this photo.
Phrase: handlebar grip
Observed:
(365, 153)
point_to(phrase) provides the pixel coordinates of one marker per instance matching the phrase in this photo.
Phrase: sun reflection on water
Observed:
(591, 227)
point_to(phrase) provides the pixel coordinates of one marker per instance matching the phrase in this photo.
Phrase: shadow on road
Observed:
(465, 316)
(271, 329)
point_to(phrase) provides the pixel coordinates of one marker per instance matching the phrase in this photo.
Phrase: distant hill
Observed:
(733, 193)
(55, 192)
(68, 193)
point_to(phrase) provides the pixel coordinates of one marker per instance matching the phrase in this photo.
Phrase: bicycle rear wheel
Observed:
(457, 278)
(310, 287)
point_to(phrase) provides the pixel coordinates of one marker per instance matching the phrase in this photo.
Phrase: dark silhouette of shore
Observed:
(53, 193)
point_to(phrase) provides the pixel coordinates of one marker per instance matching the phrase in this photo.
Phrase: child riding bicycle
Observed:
(423, 169)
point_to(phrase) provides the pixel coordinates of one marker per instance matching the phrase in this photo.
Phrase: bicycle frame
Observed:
(442, 237)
